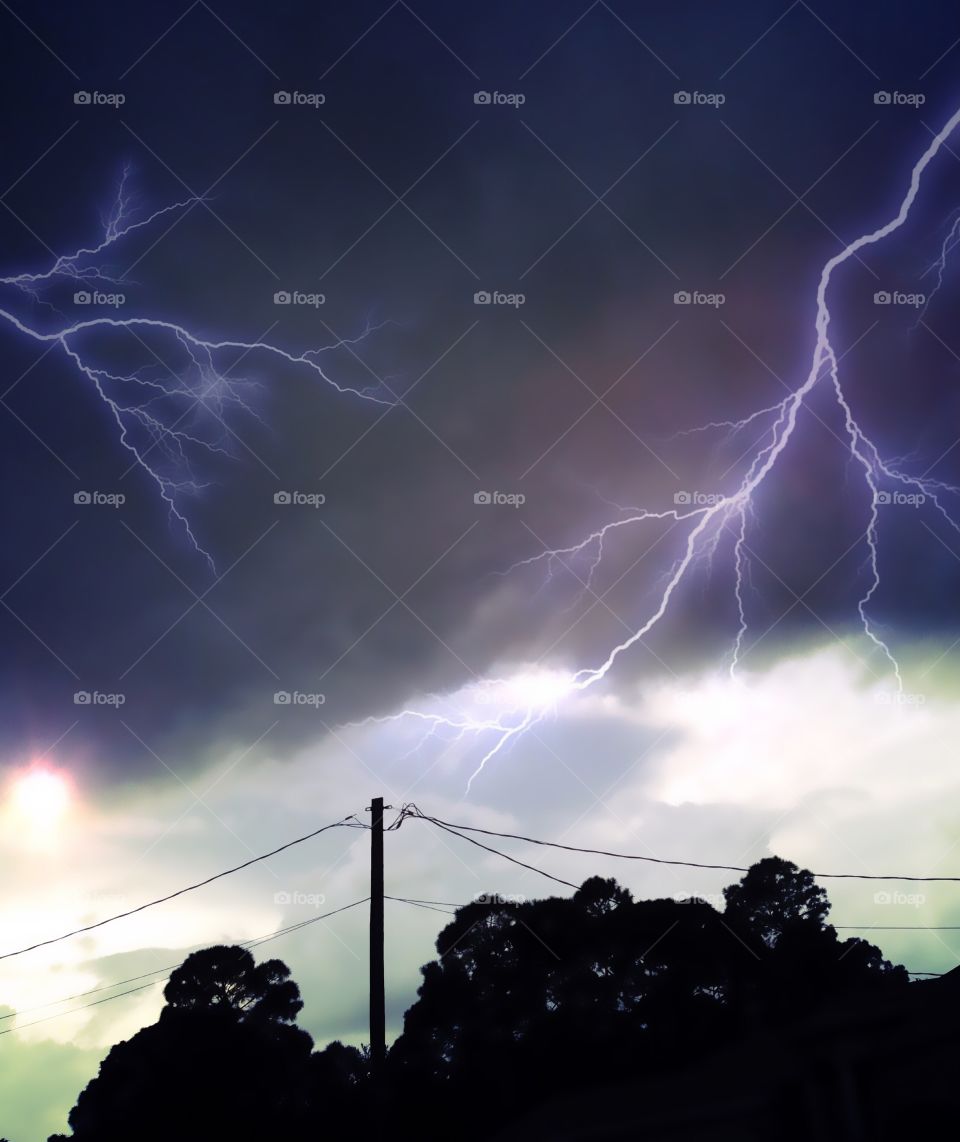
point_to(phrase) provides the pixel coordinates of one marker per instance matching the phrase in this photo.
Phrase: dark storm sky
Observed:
(502, 197)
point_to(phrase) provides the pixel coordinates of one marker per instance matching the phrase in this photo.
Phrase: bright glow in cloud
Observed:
(813, 759)
(533, 688)
(38, 799)
(811, 723)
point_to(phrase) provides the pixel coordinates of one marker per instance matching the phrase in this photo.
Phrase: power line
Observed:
(413, 811)
(897, 927)
(59, 1014)
(423, 904)
(459, 831)
(84, 994)
(255, 942)
(444, 905)
(530, 867)
(437, 903)
(181, 891)
(441, 905)
(451, 904)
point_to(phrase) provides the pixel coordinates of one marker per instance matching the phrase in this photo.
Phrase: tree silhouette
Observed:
(797, 962)
(525, 1000)
(775, 897)
(223, 1060)
(530, 998)
(228, 977)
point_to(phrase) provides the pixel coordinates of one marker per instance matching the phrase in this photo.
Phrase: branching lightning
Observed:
(727, 515)
(182, 402)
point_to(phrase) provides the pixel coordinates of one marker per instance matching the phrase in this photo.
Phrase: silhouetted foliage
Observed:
(229, 977)
(223, 1060)
(775, 898)
(528, 998)
(796, 961)
(525, 999)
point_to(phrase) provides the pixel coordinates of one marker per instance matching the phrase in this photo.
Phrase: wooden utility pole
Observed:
(378, 1022)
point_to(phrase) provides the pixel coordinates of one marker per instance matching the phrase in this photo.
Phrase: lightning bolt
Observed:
(939, 265)
(728, 514)
(181, 403)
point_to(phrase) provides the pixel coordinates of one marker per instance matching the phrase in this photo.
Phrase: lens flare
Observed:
(39, 799)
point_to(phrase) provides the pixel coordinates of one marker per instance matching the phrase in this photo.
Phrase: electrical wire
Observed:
(896, 927)
(59, 1014)
(530, 867)
(438, 903)
(422, 904)
(452, 905)
(414, 812)
(255, 942)
(180, 892)
(456, 830)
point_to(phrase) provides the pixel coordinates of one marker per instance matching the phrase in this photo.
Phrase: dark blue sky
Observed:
(491, 197)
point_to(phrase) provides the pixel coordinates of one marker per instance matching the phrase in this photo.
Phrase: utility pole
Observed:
(378, 1023)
